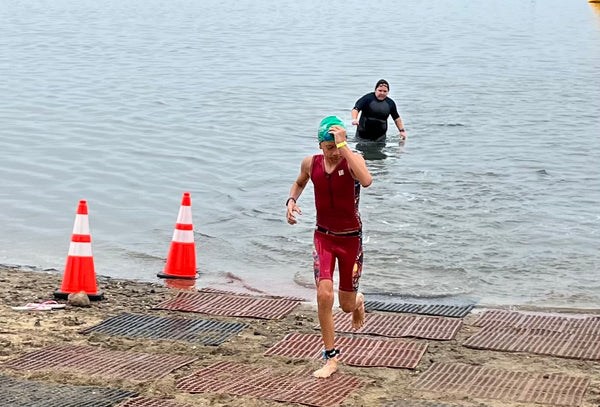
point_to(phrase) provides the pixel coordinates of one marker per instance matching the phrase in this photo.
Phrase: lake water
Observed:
(494, 198)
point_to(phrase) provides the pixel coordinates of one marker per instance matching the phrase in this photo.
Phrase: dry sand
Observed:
(26, 331)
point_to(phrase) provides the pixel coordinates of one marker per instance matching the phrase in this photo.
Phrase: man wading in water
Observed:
(337, 176)
(376, 107)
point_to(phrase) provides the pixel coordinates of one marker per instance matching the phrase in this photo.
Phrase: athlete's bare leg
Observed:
(353, 302)
(358, 315)
(325, 311)
(327, 370)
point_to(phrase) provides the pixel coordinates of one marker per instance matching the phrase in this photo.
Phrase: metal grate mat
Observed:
(101, 362)
(263, 383)
(365, 352)
(202, 331)
(508, 386)
(24, 393)
(229, 305)
(398, 326)
(455, 311)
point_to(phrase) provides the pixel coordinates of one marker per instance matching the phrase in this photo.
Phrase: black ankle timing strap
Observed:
(328, 354)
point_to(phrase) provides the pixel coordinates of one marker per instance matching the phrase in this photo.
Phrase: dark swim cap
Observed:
(323, 133)
(382, 82)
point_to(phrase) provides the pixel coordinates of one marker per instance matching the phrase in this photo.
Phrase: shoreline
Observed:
(234, 283)
(25, 331)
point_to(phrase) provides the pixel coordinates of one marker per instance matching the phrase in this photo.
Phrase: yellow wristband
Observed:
(342, 144)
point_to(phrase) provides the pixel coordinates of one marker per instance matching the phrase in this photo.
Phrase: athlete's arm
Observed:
(397, 119)
(400, 126)
(359, 106)
(296, 191)
(356, 162)
(354, 114)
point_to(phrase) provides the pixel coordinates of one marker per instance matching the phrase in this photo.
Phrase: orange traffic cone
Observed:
(181, 261)
(79, 270)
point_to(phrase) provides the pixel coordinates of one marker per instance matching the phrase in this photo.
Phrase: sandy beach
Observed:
(25, 331)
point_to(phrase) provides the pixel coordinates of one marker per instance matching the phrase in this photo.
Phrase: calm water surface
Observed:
(494, 198)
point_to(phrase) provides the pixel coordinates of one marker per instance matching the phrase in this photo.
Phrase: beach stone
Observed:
(79, 299)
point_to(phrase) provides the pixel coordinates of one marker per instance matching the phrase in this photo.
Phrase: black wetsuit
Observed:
(373, 119)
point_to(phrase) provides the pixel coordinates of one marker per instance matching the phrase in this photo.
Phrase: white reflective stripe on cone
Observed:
(82, 225)
(80, 249)
(185, 215)
(183, 236)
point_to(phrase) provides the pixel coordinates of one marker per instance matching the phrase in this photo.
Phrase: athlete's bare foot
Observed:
(327, 370)
(358, 315)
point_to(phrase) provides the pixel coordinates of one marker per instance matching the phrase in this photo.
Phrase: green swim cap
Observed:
(326, 123)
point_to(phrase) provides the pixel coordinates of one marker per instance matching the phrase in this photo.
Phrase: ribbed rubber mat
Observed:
(151, 402)
(23, 393)
(410, 403)
(573, 345)
(263, 383)
(229, 305)
(567, 337)
(508, 386)
(455, 311)
(101, 362)
(365, 352)
(202, 331)
(497, 319)
(217, 291)
(399, 326)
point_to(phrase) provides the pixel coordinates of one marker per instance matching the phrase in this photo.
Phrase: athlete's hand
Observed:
(291, 208)
(355, 122)
(339, 133)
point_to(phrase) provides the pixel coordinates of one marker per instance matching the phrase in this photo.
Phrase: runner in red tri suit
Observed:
(337, 176)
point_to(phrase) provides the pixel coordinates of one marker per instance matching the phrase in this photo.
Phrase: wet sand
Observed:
(26, 331)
